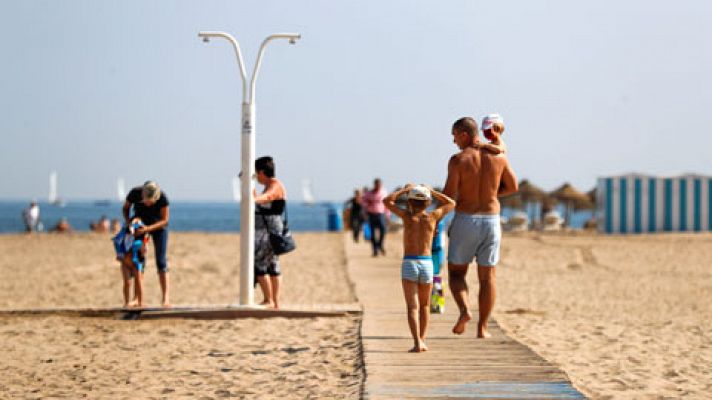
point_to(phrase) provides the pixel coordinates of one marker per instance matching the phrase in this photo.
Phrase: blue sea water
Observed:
(185, 216)
(190, 216)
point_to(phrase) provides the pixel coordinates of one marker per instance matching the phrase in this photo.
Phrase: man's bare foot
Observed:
(459, 327)
(166, 304)
(132, 303)
(482, 332)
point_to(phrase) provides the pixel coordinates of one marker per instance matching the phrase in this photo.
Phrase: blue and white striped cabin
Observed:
(640, 204)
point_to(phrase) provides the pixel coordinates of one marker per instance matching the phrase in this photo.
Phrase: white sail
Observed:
(236, 189)
(307, 194)
(121, 189)
(52, 197)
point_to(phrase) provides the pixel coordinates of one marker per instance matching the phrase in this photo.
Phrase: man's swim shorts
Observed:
(475, 237)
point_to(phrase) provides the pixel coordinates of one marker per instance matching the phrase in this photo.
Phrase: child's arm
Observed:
(390, 201)
(445, 204)
(496, 148)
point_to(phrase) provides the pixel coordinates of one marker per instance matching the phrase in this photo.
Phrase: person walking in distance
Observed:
(373, 200)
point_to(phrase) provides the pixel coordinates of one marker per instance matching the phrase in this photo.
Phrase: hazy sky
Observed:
(98, 90)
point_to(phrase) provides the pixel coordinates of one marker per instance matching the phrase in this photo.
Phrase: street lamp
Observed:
(247, 205)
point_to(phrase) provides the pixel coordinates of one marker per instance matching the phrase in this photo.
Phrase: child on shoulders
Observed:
(492, 129)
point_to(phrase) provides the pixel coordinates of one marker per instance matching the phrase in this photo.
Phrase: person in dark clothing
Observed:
(356, 217)
(150, 204)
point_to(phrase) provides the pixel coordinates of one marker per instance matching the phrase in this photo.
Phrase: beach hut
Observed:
(636, 203)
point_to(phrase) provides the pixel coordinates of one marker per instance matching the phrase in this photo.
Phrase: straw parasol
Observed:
(530, 192)
(573, 199)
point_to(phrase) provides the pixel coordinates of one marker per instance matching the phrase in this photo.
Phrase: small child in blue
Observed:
(130, 250)
(417, 268)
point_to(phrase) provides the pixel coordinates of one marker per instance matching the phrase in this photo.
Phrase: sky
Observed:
(98, 90)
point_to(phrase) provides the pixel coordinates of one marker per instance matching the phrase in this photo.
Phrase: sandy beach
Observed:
(104, 358)
(625, 317)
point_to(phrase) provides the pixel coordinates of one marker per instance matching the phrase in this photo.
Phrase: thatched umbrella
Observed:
(511, 201)
(530, 192)
(573, 199)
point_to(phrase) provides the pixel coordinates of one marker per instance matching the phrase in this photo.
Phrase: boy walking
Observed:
(417, 268)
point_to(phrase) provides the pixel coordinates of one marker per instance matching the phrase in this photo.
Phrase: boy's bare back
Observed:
(418, 233)
(419, 226)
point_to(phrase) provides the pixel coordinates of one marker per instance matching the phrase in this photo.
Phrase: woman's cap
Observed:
(151, 191)
(419, 192)
(490, 119)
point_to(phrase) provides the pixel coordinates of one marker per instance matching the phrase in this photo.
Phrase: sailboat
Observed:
(307, 194)
(236, 189)
(53, 198)
(120, 189)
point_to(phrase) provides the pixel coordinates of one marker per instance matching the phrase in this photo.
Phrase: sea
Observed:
(195, 216)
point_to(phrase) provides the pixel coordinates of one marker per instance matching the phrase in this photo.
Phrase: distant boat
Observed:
(307, 194)
(120, 189)
(53, 198)
(236, 197)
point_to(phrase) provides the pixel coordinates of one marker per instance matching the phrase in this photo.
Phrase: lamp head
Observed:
(206, 39)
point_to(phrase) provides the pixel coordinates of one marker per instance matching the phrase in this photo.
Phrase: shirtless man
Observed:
(475, 178)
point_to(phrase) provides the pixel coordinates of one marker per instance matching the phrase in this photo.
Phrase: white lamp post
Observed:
(247, 205)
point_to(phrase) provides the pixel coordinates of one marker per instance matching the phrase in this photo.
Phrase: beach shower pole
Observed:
(247, 205)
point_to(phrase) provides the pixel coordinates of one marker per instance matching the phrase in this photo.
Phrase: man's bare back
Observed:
(476, 177)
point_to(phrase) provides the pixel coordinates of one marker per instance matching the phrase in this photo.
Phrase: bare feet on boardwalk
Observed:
(482, 332)
(419, 348)
(459, 327)
(166, 305)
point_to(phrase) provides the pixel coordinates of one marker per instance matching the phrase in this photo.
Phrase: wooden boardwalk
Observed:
(455, 366)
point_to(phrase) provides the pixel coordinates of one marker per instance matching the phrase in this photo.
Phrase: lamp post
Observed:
(247, 205)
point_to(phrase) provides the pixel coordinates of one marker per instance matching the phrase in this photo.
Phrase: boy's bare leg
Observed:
(275, 281)
(126, 275)
(457, 274)
(424, 292)
(163, 279)
(410, 292)
(486, 276)
(266, 286)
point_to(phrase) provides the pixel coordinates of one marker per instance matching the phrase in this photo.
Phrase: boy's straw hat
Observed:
(419, 192)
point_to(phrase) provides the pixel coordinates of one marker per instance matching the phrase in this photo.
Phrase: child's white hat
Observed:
(419, 192)
(490, 119)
